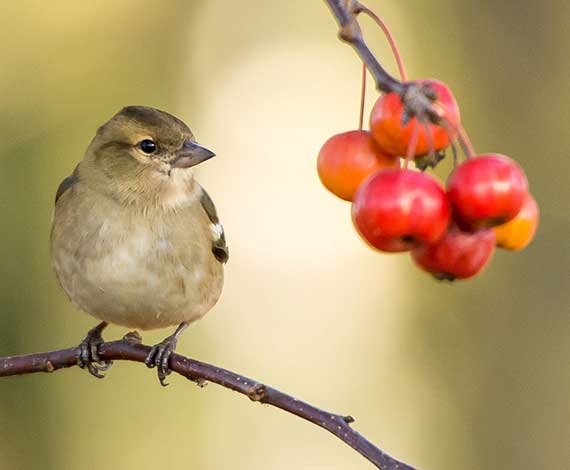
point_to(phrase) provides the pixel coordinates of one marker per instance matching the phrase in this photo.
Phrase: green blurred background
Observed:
(470, 376)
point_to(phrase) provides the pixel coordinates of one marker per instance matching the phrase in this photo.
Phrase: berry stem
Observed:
(465, 142)
(429, 136)
(459, 132)
(454, 153)
(391, 41)
(412, 145)
(362, 97)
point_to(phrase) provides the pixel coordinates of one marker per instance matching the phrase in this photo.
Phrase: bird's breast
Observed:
(138, 270)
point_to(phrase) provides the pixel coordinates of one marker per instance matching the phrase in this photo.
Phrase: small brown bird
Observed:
(135, 240)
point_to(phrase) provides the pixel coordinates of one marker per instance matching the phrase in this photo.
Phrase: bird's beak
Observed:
(191, 154)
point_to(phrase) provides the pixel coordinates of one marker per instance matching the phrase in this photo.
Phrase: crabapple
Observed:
(394, 210)
(519, 232)
(458, 255)
(486, 190)
(393, 135)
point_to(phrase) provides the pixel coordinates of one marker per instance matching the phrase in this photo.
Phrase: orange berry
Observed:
(393, 137)
(519, 232)
(346, 160)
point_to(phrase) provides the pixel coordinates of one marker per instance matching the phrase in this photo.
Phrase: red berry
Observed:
(394, 210)
(458, 255)
(346, 159)
(519, 232)
(393, 137)
(487, 190)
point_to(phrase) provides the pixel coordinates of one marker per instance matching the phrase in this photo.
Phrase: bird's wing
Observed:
(66, 184)
(219, 247)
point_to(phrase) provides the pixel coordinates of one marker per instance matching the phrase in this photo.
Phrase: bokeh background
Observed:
(466, 376)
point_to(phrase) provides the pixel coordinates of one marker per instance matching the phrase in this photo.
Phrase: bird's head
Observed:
(144, 150)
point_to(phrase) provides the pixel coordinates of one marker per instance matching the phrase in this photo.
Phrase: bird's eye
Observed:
(148, 146)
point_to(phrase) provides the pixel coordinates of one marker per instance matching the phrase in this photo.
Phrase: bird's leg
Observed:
(161, 352)
(89, 352)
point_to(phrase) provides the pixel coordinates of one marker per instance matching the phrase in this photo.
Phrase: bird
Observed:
(135, 240)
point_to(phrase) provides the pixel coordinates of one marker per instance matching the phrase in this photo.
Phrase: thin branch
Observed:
(345, 12)
(130, 349)
(416, 99)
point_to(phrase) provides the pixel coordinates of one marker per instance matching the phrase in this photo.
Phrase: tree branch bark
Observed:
(130, 349)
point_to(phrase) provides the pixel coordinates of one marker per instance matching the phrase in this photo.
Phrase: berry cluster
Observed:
(451, 232)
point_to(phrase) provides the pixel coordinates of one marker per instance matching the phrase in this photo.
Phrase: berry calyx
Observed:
(395, 210)
(347, 159)
(393, 131)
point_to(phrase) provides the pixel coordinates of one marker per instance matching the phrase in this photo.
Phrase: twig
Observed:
(130, 349)
(345, 12)
(417, 100)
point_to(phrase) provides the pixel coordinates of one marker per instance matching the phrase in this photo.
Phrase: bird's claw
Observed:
(89, 353)
(159, 356)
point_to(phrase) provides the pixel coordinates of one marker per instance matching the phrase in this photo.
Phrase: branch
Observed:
(345, 12)
(130, 349)
(417, 99)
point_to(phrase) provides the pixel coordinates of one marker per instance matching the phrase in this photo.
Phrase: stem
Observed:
(429, 137)
(391, 41)
(130, 349)
(458, 132)
(454, 153)
(465, 142)
(413, 144)
(362, 97)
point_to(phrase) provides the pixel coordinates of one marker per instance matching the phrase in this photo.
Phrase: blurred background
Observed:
(465, 376)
